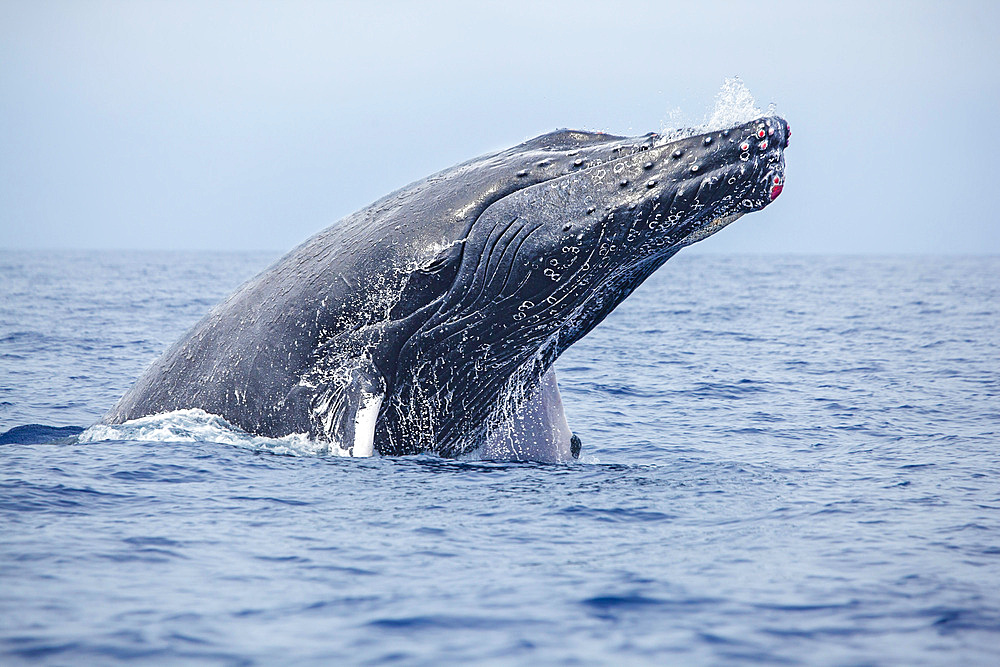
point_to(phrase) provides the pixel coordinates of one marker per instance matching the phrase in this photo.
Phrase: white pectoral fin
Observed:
(539, 432)
(343, 409)
(364, 424)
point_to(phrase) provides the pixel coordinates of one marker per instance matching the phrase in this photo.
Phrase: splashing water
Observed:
(734, 104)
(195, 425)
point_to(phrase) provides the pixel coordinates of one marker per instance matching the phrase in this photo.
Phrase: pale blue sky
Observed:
(251, 125)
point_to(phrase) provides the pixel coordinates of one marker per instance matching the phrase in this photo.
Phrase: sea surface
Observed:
(786, 460)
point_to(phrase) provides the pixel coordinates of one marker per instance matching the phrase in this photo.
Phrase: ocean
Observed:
(786, 460)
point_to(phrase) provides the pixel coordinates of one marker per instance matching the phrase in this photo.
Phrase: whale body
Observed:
(430, 320)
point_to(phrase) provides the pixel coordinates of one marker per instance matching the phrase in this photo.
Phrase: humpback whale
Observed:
(430, 320)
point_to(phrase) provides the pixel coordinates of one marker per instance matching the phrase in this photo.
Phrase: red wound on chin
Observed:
(775, 191)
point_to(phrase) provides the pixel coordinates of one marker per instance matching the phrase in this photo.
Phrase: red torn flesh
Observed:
(775, 191)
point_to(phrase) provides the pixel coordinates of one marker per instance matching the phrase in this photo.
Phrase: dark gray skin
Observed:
(430, 320)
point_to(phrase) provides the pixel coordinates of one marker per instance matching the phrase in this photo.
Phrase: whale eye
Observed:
(760, 133)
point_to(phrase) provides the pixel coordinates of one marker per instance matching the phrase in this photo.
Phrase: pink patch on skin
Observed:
(775, 191)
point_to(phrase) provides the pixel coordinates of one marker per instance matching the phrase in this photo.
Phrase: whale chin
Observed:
(710, 228)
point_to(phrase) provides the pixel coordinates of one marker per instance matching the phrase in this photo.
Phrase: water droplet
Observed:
(567, 227)
(708, 140)
(647, 166)
(522, 173)
(544, 163)
(694, 169)
(678, 153)
(578, 162)
(623, 182)
(651, 184)
(590, 209)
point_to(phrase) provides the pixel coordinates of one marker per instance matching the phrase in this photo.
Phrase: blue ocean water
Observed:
(787, 460)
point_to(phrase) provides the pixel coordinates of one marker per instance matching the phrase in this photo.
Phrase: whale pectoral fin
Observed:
(539, 433)
(344, 409)
(365, 417)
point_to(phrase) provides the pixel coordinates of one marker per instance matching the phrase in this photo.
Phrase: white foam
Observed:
(199, 426)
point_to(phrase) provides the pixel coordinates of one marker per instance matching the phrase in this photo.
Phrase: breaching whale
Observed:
(430, 320)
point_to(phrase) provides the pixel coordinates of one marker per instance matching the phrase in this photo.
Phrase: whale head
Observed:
(582, 220)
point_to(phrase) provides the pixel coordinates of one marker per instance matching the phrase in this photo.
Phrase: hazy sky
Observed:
(251, 125)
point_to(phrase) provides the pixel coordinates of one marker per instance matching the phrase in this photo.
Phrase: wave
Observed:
(38, 434)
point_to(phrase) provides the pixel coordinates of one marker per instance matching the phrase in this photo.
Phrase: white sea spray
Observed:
(734, 105)
(195, 425)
